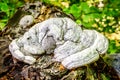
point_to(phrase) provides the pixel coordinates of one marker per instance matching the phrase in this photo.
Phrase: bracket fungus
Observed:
(71, 45)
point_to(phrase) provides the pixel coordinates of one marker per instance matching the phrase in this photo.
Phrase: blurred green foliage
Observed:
(101, 15)
(7, 9)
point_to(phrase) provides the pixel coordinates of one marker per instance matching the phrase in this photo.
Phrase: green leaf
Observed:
(88, 18)
(75, 10)
(4, 7)
(2, 25)
(104, 77)
(94, 9)
(78, 21)
(84, 6)
(112, 48)
(6, 1)
(96, 15)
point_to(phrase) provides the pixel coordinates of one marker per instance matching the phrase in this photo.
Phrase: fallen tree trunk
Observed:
(46, 69)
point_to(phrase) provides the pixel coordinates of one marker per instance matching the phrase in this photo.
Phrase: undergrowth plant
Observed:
(7, 9)
(101, 15)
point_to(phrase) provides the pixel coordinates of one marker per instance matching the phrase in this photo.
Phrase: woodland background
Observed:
(101, 15)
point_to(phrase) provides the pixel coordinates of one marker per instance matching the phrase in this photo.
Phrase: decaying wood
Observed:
(11, 68)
